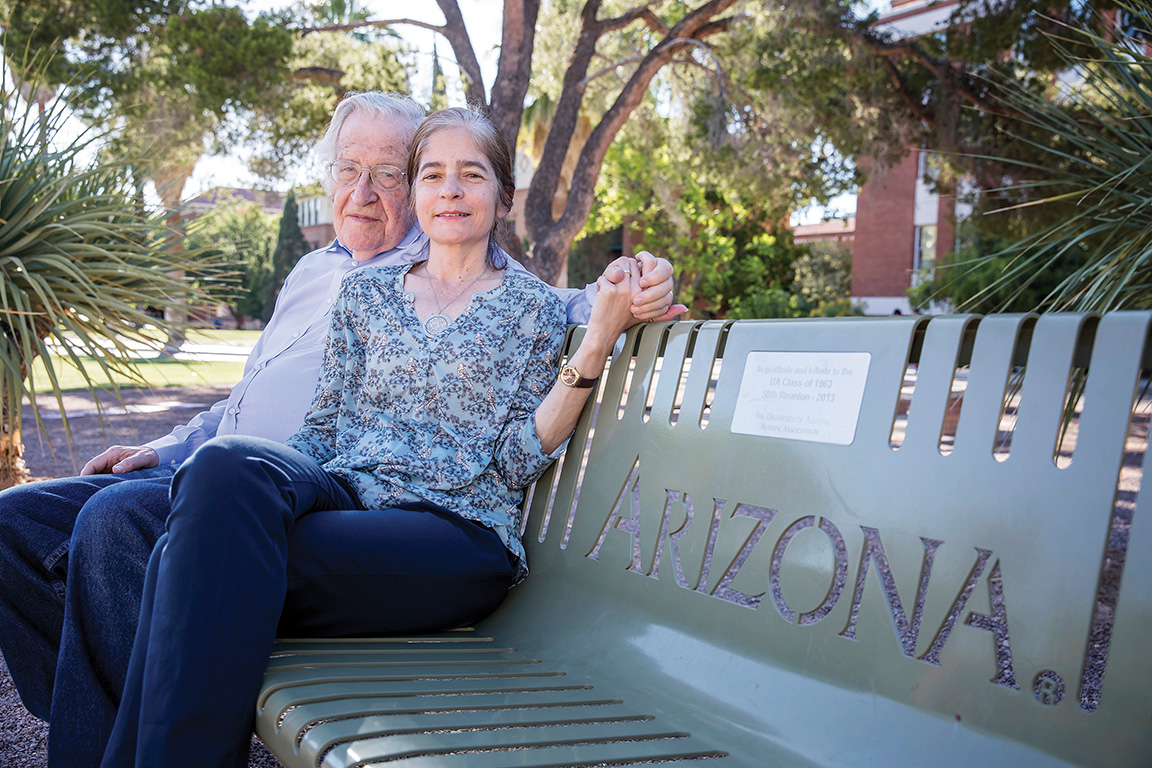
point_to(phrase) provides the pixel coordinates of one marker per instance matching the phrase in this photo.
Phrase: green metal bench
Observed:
(812, 543)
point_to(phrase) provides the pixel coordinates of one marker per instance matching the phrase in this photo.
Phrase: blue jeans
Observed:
(262, 539)
(73, 552)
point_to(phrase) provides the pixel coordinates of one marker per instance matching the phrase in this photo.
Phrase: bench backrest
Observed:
(777, 543)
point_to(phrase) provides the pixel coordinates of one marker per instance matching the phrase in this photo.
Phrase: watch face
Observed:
(568, 375)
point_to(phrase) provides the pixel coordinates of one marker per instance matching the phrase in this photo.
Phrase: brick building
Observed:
(903, 225)
(315, 215)
(833, 230)
(271, 202)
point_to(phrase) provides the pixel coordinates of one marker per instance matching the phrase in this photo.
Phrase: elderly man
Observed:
(73, 551)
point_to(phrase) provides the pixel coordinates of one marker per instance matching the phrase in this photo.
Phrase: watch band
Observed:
(570, 377)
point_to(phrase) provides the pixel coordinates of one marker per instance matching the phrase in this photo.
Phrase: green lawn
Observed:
(157, 373)
(216, 336)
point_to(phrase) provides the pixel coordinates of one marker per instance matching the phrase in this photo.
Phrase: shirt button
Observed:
(233, 410)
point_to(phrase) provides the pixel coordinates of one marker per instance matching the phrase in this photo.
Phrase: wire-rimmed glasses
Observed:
(384, 177)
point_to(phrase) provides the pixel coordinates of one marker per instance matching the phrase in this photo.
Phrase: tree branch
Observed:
(538, 217)
(643, 13)
(552, 235)
(610, 69)
(518, 38)
(380, 24)
(898, 83)
(633, 59)
(453, 30)
(318, 75)
(944, 71)
(457, 35)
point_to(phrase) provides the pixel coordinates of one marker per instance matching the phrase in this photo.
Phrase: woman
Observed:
(394, 508)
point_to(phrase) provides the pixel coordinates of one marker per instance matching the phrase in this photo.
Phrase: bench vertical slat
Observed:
(1113, 384)
(935, 373)
(1045, 386)
(1109, 394)
(988, 382)
(705, 348)
(678, 337)
(1128, 679)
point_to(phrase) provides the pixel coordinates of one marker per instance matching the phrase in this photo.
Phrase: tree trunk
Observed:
(553, 235)
(12, 468)
(518, 38)
(170, 179)
(550, 257)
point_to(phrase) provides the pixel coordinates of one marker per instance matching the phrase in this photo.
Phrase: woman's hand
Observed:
(612, 312)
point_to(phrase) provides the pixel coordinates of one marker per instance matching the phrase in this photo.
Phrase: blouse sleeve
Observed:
(317, 436)
(519, 457)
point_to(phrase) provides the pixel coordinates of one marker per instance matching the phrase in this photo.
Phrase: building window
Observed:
(928, 167)
(924, 257)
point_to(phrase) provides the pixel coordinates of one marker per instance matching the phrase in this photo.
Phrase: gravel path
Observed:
(149, 414)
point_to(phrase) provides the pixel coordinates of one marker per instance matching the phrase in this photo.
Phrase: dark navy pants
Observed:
(261, 541)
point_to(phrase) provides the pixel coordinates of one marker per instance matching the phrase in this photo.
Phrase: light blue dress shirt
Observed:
(281, 372)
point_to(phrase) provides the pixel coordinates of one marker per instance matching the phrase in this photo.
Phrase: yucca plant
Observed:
(82, 258)
(1096, 167)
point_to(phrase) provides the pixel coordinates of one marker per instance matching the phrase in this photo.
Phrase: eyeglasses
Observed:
(345, 172)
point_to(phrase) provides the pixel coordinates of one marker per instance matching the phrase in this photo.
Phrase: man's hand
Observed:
(654, 301)
(120, 459)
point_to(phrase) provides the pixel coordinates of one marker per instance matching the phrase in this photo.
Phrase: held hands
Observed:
(653, 302)
(612, 312)
(119, 459)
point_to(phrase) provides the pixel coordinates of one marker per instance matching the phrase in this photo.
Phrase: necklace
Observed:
(438, 322)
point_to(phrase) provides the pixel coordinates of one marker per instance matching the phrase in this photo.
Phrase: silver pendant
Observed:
(436, 324)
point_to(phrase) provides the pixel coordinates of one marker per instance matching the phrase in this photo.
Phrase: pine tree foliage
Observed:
(290, 246)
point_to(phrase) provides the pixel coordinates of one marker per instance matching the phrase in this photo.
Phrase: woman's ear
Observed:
(502, 211)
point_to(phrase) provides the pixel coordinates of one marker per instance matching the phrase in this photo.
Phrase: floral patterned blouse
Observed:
(404, 417)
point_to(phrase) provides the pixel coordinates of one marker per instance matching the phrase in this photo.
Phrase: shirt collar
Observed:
(409, 250)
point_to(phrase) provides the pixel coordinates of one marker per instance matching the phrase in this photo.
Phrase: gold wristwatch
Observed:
(570, 377)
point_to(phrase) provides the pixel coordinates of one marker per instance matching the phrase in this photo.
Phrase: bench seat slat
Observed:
(283, 722)
(605, 718)
(590, 750)
(382, 661)
(502, 736)
(465, 673)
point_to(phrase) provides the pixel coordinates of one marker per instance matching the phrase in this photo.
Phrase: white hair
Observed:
(384, 105)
